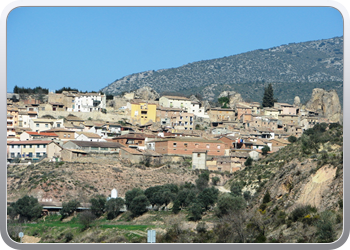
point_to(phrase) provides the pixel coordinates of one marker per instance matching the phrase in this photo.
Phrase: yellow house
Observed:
(142, 112)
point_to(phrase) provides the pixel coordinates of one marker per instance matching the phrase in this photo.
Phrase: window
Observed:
(37, 154)
(46, 125)
(24, 146)
(104, 148)
(64, 135)
(30, 154)
(174, 144)
(12, 146)
(218, 146)
(196, 145)
(37, 125)
(68, 135)
(94, 148)
(185, 144)
(44, 146)
(198, 155)
(30, 146)
(58, 125)
(12, 155)
(208, 146)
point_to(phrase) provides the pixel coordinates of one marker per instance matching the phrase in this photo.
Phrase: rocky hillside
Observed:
(293, 69)
(303, 182)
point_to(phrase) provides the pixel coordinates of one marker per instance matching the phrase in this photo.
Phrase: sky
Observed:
(90, 47)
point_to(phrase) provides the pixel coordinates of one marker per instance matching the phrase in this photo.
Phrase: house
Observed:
(88, 136)
(42, 124)
(197, 109)
(244, 112)
(31, 135)
(89, 102)
(10, 125)
(136, 155)
(271, 112)
(93, 146)
(186, 145)
(220, 163)
(25, 116)
(75, 120)
(175, 102)
(221, 114)
(182, 121)
(72, 154)
(34, 149)
(165, 115)
(278, 144)
(65, 99)
(286, 108)
(142, 112)
(134, 140)
(63, 134)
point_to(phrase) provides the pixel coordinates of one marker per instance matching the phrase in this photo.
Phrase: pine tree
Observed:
(268, 99)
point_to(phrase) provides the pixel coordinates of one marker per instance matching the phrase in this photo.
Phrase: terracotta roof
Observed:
(41, 133)
(28, 142)
(135, 136)
(132, 151)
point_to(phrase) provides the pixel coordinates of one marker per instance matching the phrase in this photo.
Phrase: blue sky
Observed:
(90, 47)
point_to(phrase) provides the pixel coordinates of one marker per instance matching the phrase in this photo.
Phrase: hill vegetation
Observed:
(293, 69)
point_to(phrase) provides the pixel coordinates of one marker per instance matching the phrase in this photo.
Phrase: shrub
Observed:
(28, 208)
(113, 207)
(68, 237)
(215, 180)
(86, 218)
(292, 139)
(98, 205)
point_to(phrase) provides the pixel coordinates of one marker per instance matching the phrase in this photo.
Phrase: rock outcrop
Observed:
(297, 101)
(326, 103)
(146, 93)
(234, 97)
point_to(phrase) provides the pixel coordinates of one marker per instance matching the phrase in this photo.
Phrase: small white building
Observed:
(197, 110)
(175, 102)
(41, 124)
(199, 159)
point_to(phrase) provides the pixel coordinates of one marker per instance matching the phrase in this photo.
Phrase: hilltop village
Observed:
(142, 126)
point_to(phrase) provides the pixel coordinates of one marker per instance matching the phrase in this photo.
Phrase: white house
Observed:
(88, 136)
(175, 102)
(197, 110)
(89, 102)
(45, 124)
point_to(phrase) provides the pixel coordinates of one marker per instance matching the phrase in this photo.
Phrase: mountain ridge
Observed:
(318, 63)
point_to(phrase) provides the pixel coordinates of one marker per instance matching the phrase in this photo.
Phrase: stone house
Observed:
(25, 116)
(72, 154)
(165, 115)
(197, 109)
(243, 112)
(278, 144)
(285, 108)
(221, 114)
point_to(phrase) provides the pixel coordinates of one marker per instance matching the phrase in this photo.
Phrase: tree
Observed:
(113, 207)
(267, 197)
(139, 204)
(98, 205)
(224, 101)
(215, 180)
(131, 194)
(265, 150)
(227, 203)
(268, 100)
(195, 212)
(236, 189)
(248, 162)
(69, 207)
(208, 197)
(292, 139)
(28, 208)
(176, 207)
